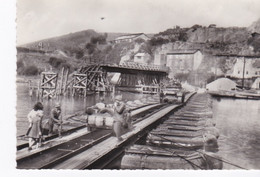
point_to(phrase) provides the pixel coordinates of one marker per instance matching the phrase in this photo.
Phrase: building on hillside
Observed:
(247, 65)
(131, 37)
(142, 58)
(181, 61)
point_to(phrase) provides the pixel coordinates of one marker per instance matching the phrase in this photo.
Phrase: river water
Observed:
(237, 120)
(69, 104)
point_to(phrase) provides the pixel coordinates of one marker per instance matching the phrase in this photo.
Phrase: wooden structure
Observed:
(132, 74)
(80, 84)
(48, 84)
(90, 79)
(93, 78)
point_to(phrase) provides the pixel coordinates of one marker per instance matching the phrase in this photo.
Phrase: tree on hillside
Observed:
(255, 42)
(74, 51)
(155, 41)
(101, 39)
(183, 36)
(195, 27)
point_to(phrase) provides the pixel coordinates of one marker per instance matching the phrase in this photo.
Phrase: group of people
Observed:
(35, 130)
(121, 115)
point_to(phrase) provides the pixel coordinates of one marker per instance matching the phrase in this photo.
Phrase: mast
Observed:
(243, 73)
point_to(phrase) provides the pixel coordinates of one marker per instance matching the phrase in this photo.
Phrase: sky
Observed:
(40, 19)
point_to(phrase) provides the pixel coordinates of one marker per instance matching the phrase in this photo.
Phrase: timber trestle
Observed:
(93, 78)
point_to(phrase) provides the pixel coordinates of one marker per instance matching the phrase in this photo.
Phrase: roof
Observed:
(140, 54)
(180, 52)
(129, 36)
(236, 55)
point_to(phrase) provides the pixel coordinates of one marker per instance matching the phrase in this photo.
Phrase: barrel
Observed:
(91, 120)
(99, 121)
(109, 121)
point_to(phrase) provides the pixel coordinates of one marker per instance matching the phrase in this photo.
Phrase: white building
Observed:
(142, 58)
(247, 66)
(131, 37)
(179, 61)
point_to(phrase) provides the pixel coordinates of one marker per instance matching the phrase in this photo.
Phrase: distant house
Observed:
(181, 61)
(243, 65)
(131, 37)
(142, 58)
(247, 66)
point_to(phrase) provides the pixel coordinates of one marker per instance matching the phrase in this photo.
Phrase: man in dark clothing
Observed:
(55, 119)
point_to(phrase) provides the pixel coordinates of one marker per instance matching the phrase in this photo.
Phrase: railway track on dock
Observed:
(63, 149)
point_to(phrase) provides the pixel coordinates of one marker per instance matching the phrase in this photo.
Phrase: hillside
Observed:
(84, 47)
(61, 42)
(77, 39)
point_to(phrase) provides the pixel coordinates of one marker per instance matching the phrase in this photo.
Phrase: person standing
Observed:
(55, 119)
(161, 96)
(119, 108)
(128, 119)
(35, 128)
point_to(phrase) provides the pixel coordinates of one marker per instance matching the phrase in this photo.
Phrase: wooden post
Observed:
(65, 81)
(61, 80)
(243, 78)
(73, 83)
(38, 90)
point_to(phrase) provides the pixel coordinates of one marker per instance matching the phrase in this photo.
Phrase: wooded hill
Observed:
(74, 49)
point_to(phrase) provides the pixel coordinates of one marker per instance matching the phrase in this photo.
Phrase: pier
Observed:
(163, 136)
(97, 149)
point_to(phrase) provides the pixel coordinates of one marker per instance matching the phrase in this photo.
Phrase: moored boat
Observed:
(236, 94)
(150, 157)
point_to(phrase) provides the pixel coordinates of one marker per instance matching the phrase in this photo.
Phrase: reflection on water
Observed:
(69, 105)
(238, 121)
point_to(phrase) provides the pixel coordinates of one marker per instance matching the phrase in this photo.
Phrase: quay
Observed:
(98, 149)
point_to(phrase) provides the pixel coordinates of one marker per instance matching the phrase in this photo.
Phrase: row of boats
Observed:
(187, 139)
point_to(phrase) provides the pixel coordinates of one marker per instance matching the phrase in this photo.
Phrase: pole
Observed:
(243, 73)
(61, 81)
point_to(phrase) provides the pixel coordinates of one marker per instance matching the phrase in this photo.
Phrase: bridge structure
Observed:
(94, 77)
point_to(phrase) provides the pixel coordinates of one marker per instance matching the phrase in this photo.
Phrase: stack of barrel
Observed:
(186, 140)
(98, 118)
